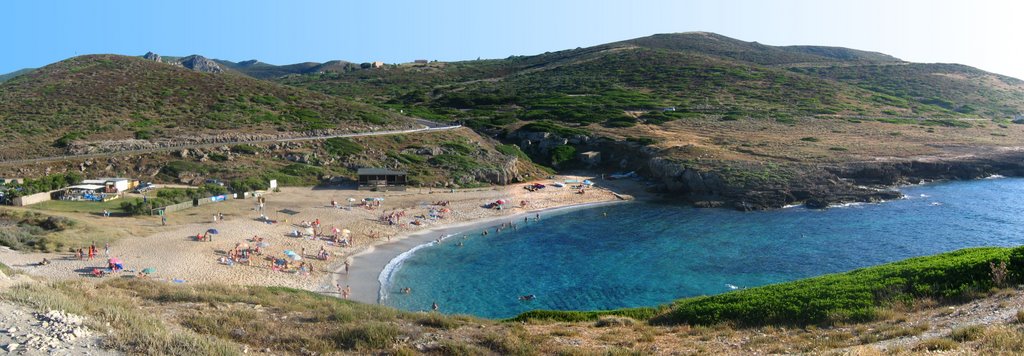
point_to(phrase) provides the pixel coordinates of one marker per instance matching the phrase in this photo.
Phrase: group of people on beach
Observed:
(90, 252)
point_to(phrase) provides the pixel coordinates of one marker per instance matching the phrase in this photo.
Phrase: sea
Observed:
(650, 253)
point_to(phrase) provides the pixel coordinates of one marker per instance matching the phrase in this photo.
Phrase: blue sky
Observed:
(985, 34)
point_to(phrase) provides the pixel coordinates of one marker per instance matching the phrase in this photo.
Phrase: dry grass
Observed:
(936, 344)
(1001, 340)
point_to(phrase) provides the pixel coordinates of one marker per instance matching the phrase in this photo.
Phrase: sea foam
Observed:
(389, 270)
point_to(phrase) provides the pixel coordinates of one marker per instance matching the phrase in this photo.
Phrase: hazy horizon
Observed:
(980, 34)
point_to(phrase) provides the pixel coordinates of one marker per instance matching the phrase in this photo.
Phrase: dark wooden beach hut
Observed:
(381, 179)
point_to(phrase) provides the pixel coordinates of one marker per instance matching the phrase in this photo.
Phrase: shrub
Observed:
(562, 154)
(851, 296)
(458, 147)
(550, 127)
(810, 139)
(339, 146)
(372, 335)
(245, 149)
(610, 320)
(936, 344)
(453, 162)
(967, 333)
(643, 313)
(512, 150)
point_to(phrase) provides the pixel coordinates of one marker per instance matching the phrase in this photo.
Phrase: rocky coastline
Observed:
(762, 185)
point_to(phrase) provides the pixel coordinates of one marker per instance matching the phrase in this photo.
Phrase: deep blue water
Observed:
(645, 254)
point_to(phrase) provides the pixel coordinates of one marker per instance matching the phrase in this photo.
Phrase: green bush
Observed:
(851, 296)
(245, 149)
(339, 146)
(550, 127)
(512, 150)
(562, 154)
(302, 170)
(458, 147)
(453, 162)
(643, 313)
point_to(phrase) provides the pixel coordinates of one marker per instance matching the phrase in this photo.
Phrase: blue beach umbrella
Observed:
(213, 231)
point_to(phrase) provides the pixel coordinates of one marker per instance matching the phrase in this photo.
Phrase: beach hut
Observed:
(381, 179)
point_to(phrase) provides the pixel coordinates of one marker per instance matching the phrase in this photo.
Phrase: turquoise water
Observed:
(645, 254)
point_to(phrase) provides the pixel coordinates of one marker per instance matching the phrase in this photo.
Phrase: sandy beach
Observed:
(177, 257)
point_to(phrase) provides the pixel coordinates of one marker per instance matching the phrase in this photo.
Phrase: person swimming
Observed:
(527, 297)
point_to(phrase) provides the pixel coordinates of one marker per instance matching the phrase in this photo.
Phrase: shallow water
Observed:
(645, 254)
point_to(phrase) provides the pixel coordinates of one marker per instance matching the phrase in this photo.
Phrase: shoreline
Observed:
(369, 264)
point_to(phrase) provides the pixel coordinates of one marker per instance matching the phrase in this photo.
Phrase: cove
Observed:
(646, 253)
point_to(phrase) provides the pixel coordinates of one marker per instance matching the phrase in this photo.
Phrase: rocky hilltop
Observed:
(194, 62)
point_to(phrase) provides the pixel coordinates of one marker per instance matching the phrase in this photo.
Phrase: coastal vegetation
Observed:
(31, 231)
(851, 297)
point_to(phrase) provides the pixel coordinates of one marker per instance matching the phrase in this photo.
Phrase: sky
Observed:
(979, 33)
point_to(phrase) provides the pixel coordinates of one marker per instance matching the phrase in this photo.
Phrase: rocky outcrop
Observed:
(200, 64)
(751, 185)
(194, 62)
(153, 57)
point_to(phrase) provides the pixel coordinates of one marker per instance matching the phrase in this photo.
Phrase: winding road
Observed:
(428, 126)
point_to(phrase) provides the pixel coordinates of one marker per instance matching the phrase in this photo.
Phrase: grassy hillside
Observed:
(11, 75)
(957, 88)
(101, 97)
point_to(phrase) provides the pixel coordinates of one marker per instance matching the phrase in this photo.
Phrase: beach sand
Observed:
(177, 257)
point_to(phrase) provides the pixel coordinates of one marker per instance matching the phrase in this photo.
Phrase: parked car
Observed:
(214, 181)
(144, 187)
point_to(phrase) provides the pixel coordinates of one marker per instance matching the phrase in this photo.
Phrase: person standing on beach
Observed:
(347, 265)
(163, 220)
(106, 249)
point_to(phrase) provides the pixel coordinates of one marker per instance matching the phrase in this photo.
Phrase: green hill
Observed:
(104, 97)
(11, 75)
(696, 72)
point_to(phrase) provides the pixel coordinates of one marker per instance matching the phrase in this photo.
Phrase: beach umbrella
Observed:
(289, 252)
(295, 257)
(279, 262)
(149, 270)
(114, 260)
(213, 231)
